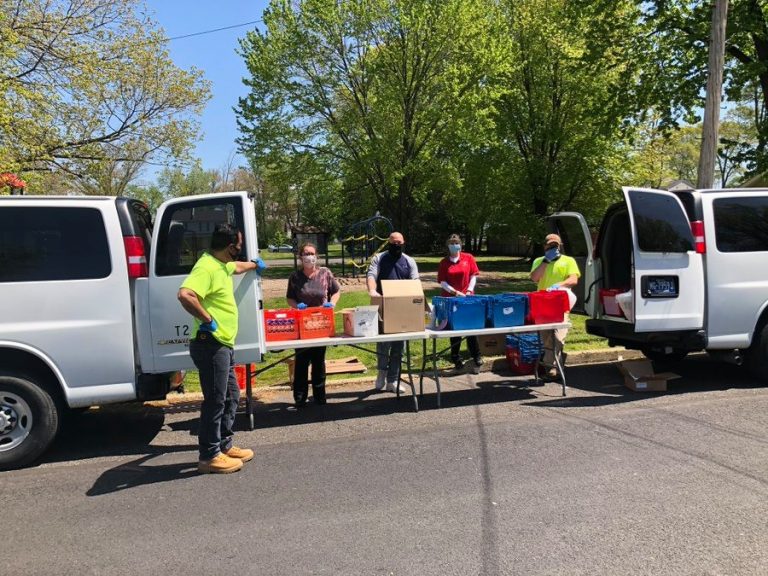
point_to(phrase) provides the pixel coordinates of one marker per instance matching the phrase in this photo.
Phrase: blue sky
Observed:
(215, 55)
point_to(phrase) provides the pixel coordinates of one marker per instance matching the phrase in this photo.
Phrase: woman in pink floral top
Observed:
(311, 285)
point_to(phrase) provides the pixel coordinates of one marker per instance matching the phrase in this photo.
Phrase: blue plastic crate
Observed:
(506, 310)
(528, 344)
(459, 313)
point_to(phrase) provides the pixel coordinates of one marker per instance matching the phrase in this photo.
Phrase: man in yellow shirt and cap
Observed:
(208, 295)
(554, 271)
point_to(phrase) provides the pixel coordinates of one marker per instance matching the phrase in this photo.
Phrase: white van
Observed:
(89, 310)
(691, 267)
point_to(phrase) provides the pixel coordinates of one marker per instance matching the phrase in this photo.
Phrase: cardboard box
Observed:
(402, 306)
(347, 365)
(640, 377)
(492, 345)
(361, 321)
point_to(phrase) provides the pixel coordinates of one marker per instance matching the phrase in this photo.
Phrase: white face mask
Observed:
(309, 260)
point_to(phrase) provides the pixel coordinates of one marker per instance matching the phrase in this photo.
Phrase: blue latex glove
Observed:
(552, 254)
(553, 287)
(260, 265)
(211, 326)
(301, 306)
(328, 305)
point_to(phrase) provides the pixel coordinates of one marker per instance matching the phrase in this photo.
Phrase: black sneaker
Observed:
(479, 361)
(458, 364)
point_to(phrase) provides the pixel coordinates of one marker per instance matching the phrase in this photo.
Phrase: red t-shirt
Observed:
(457, 274)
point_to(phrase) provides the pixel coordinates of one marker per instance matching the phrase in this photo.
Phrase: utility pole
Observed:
(711, 127)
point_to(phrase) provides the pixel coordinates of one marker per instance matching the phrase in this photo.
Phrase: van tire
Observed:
(658, 355)
(757, 354)
(29, 421)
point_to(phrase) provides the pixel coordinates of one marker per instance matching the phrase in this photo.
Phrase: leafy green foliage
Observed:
(88, 89)
(378, 91)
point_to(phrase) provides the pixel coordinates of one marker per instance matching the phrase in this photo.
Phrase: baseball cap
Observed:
(552, 239)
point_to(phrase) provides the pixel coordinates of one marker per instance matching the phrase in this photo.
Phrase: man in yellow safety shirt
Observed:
(554, 271)
(208, 295)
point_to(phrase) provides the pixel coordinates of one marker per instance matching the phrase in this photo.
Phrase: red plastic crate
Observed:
(516, 365)
(317, 322)
(281, 324)
(608, 299)
(547, 307)
(241, 375)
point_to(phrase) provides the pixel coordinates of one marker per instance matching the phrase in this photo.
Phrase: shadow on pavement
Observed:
(697, 374)
(115, 430)
(137, 473)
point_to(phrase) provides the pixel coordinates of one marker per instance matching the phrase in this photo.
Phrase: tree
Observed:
(680, 37)
(376, 90)
(89, 89)
(566, 106)
(175, 182)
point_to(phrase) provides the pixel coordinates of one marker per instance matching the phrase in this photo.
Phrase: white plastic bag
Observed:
(625, 301)
(571, 297)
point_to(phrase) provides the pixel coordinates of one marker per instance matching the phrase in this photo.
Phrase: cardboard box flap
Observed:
(390, 288)
(666, 376)
(643, 370)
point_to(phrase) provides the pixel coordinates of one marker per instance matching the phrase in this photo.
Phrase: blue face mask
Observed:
(454, 249)
(552, 254)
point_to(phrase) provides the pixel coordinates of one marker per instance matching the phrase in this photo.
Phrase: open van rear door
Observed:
(668, 274)
(183, 229)
(577, 243)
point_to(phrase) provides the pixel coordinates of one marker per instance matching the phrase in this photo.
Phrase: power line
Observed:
(203, 32)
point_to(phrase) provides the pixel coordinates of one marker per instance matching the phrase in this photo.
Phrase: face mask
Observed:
(395, 250)
(552, 254)
(454, 248)
(309, 260)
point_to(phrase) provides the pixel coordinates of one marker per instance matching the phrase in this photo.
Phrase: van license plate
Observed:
(659, 286)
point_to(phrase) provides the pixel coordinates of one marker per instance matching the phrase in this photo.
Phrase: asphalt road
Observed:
(504, 479)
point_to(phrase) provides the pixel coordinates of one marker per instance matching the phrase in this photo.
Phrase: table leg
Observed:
(538, 358)
(558, 360)
(410, 374)
(423, 367)
(249, 396)
(434, 369)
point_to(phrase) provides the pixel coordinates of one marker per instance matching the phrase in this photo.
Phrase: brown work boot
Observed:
(219, 464)
(242, 454)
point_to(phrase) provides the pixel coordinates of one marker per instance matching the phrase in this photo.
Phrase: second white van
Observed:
(676, 272)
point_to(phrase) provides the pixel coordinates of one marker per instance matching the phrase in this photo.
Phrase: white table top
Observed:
(501, 330)
(343, 340)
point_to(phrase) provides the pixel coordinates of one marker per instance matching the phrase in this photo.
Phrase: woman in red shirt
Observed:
(457, 275)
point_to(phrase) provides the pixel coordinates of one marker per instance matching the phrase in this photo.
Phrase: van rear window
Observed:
(741, 224)
(185, 233)
(661, 223)
(44, 244)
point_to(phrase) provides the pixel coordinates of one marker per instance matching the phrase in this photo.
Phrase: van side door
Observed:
(577, 243)
(668, 274)
(182, 232)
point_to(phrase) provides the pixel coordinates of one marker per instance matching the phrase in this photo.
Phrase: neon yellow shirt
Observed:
(211, 280)
(556, 271)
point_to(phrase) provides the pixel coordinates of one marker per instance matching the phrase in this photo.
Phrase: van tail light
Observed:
(697, 229)
(136, 257)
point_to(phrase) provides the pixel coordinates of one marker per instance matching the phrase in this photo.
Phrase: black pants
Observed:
(216, 365)
(305, 357)
(474, 348)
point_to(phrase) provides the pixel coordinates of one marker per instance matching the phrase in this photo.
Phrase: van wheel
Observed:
(757, 354)
(29, 420)
(658, 355)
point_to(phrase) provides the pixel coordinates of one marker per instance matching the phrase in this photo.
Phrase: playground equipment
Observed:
(361, 241)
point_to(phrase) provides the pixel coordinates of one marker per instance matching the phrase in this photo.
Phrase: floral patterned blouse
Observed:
(314, 291)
